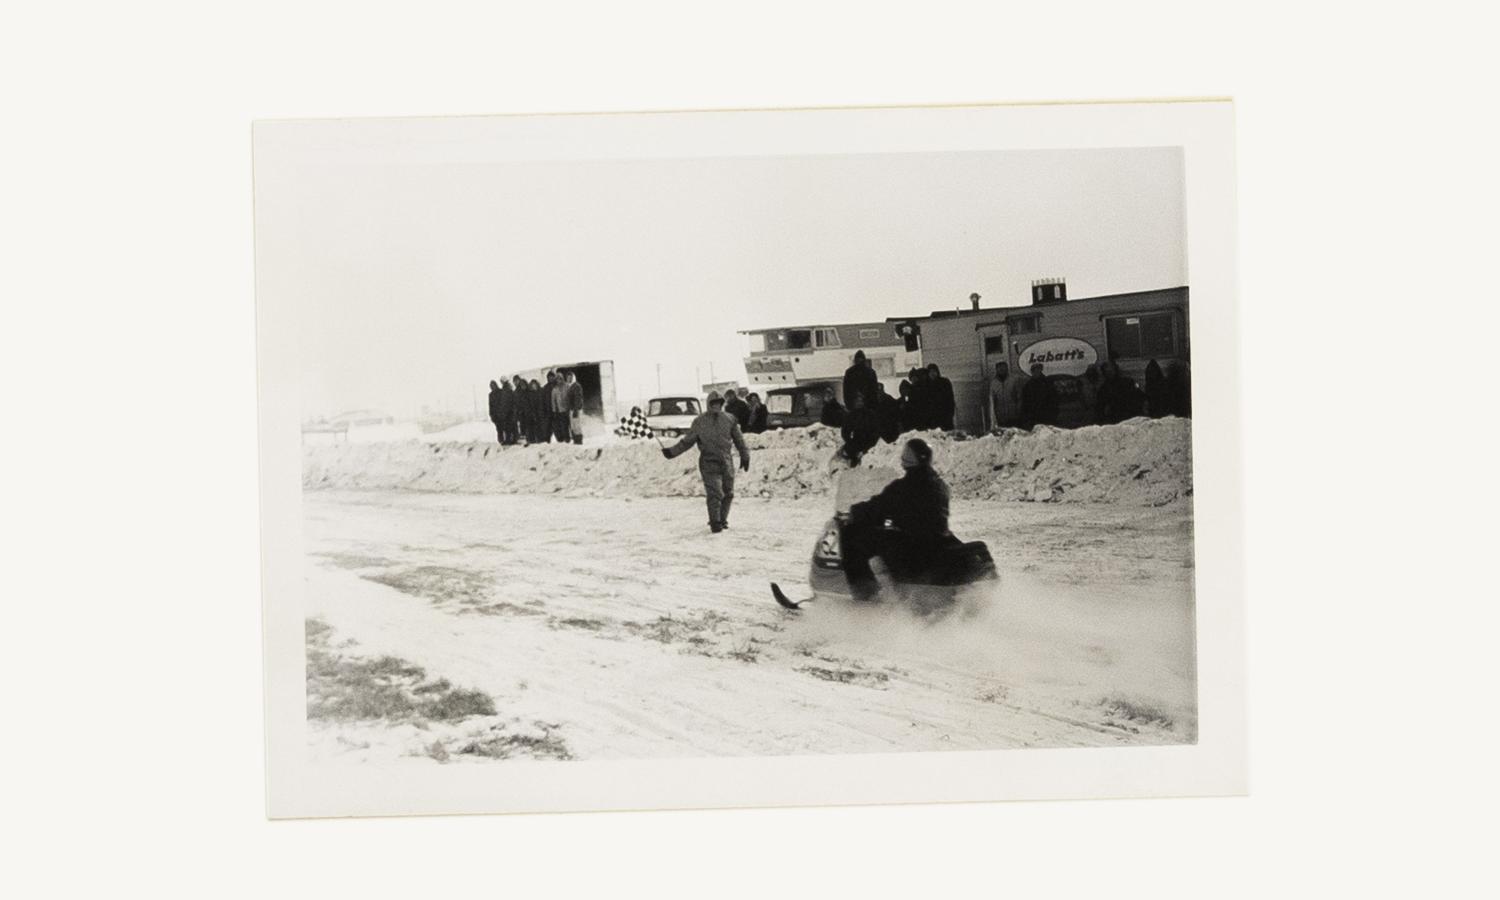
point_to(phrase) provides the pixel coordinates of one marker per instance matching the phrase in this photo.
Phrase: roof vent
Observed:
(1049, 290)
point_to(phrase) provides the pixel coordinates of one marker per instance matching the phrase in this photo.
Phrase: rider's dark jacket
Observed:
(916, 503)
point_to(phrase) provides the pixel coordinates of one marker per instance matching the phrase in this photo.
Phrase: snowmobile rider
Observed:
(916, 505)
(715, 432)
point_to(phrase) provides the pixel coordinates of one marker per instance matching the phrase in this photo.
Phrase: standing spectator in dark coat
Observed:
(523, 409)
(1179, 389)
(859, 382)
(759, 415)
(1119, 398)
(497, 411)
(508, 435)
(861, 431)
(887, 414)
(737, 408)
(540, 421)
(903, 391)
(1088, 392)
(1156, 391)
(573, 392)
(942, 406)
(918, 412)
(833, 411)
(1038, 400)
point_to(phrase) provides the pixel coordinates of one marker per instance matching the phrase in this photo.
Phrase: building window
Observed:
(1150, 336)
(869, 334)
(994, 345)
(1025, 324)
(798, 340)
(826, 337)
(884, 366)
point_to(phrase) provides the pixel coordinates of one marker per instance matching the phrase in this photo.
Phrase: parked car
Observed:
(672, 416)
(800, 406)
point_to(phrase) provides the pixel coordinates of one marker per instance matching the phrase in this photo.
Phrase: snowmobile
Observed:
(932, 591)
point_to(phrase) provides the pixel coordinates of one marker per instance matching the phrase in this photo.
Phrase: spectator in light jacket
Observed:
(1005, 396)
(557, 407)
(574, 401)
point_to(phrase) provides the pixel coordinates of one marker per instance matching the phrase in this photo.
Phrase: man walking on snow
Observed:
(715, 433)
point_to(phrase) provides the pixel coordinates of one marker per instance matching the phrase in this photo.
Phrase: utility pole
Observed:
(658, 378)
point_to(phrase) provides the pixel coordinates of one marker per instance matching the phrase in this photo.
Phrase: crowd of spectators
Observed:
(1106, 394)
(529, 412)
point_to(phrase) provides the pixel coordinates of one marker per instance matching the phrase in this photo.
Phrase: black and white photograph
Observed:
(808, 450)
(679, 455)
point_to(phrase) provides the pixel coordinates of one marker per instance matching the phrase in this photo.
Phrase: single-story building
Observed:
(1065, 336)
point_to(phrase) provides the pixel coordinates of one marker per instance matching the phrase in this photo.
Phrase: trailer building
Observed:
(597, 378)
(1066, 336)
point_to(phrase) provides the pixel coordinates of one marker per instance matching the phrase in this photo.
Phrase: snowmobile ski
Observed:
(783, 599)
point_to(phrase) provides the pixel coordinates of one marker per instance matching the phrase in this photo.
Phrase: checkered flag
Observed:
(634, 426)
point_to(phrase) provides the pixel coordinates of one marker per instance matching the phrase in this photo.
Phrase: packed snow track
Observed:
(619, 627)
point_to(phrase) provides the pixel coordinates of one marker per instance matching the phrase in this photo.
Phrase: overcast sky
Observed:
(423, 282)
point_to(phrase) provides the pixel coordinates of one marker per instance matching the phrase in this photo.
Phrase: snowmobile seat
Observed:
(961, 563)
(956, 563)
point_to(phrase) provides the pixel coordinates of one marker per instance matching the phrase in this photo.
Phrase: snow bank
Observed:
(365, 434)
(1141, 462)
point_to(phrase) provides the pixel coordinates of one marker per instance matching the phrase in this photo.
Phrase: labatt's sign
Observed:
(1059, 356)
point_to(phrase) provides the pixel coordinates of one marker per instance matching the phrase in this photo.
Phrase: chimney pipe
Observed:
(974, 301)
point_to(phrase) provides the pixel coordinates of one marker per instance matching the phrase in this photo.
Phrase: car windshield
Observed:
(674, 406)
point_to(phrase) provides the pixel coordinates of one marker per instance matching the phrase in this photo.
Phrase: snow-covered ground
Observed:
(617, 626)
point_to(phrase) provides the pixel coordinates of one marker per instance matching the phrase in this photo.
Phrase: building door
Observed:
(994, 348)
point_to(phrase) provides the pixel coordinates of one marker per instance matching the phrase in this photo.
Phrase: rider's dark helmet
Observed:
(921, 450)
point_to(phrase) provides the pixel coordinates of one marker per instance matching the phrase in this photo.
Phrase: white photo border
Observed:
(1214, 766)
